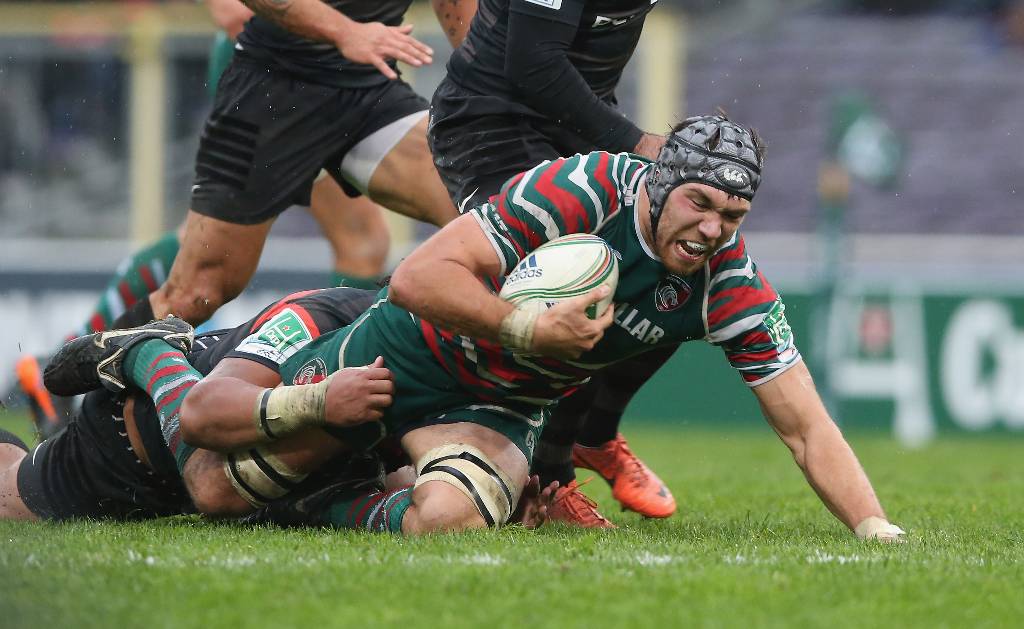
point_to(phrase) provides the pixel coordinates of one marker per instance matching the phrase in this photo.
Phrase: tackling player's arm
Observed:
(237, 405)
(792, 406)
(537, 63)
(371, 43)
(454, 17)
(442, 282)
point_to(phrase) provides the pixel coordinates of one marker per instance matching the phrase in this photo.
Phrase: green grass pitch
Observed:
(750, 546)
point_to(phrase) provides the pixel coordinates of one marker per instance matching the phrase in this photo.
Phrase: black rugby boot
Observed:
(96, 360)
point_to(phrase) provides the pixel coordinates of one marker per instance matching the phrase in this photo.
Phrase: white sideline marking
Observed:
(647, 559)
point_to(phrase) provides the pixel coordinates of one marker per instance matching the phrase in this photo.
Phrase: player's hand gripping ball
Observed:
(561, 269)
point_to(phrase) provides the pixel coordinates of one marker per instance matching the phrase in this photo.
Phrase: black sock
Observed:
(139, 314)
(7, 436)
(613, 393)
(552, 460)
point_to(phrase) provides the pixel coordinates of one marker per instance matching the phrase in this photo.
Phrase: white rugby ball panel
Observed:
(563, 268)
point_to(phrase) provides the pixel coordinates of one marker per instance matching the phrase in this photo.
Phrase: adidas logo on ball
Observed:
(561, 269)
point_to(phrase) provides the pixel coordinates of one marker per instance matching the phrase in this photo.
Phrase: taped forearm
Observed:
(284, 410)
(516, 332)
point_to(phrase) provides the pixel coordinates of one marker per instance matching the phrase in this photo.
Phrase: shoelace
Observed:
(631, 465)
(587, 501)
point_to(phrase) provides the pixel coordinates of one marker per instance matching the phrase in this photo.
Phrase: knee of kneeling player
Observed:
(439, 507)
(197, 300)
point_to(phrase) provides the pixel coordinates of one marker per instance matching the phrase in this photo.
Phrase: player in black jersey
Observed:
(123, 457)
(312, 87)
(126, 457)
(535, 80)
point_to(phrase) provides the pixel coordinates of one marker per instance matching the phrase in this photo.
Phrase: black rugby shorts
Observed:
(270, 134)
(89, 470)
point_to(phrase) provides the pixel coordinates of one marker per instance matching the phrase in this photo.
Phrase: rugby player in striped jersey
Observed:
(536, 80)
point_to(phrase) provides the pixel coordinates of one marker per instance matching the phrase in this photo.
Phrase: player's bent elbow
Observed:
(400, 287)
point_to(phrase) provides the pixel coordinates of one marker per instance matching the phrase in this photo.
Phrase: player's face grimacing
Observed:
(696, 221)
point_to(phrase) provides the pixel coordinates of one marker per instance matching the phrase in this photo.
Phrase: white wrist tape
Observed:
(284, 410)
(875, 527)
(517, 327)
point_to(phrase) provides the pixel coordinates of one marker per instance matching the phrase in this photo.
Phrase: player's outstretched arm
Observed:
(442, 282)
(454, 17)
(237, 405)
(793, 408)
(371, 43)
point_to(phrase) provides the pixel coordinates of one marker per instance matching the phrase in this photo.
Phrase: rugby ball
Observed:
(560, 269)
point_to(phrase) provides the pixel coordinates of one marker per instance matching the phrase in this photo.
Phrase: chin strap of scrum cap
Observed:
(711, 150)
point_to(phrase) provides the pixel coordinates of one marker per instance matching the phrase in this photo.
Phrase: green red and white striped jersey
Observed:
(728, 303)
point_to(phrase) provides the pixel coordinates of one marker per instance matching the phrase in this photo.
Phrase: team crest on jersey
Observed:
(775, 322)
(312, 372)
(672, 293)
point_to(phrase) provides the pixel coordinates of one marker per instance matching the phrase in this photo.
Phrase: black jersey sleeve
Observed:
(540, 33)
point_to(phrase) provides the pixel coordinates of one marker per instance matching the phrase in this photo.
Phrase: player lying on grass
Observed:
(123, 456)
(475, 377)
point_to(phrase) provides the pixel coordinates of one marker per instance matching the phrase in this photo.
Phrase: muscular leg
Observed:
(407, 182)
(433, 505)
(356, 230)
(439, 506)
(215, 263)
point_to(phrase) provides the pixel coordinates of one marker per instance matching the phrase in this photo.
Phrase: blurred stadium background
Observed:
(890, 217)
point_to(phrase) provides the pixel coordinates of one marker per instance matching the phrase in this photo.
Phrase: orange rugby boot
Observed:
(633, 484)
(572, 506)
(30, 380)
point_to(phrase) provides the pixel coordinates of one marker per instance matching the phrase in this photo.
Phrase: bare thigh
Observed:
(407, 182)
